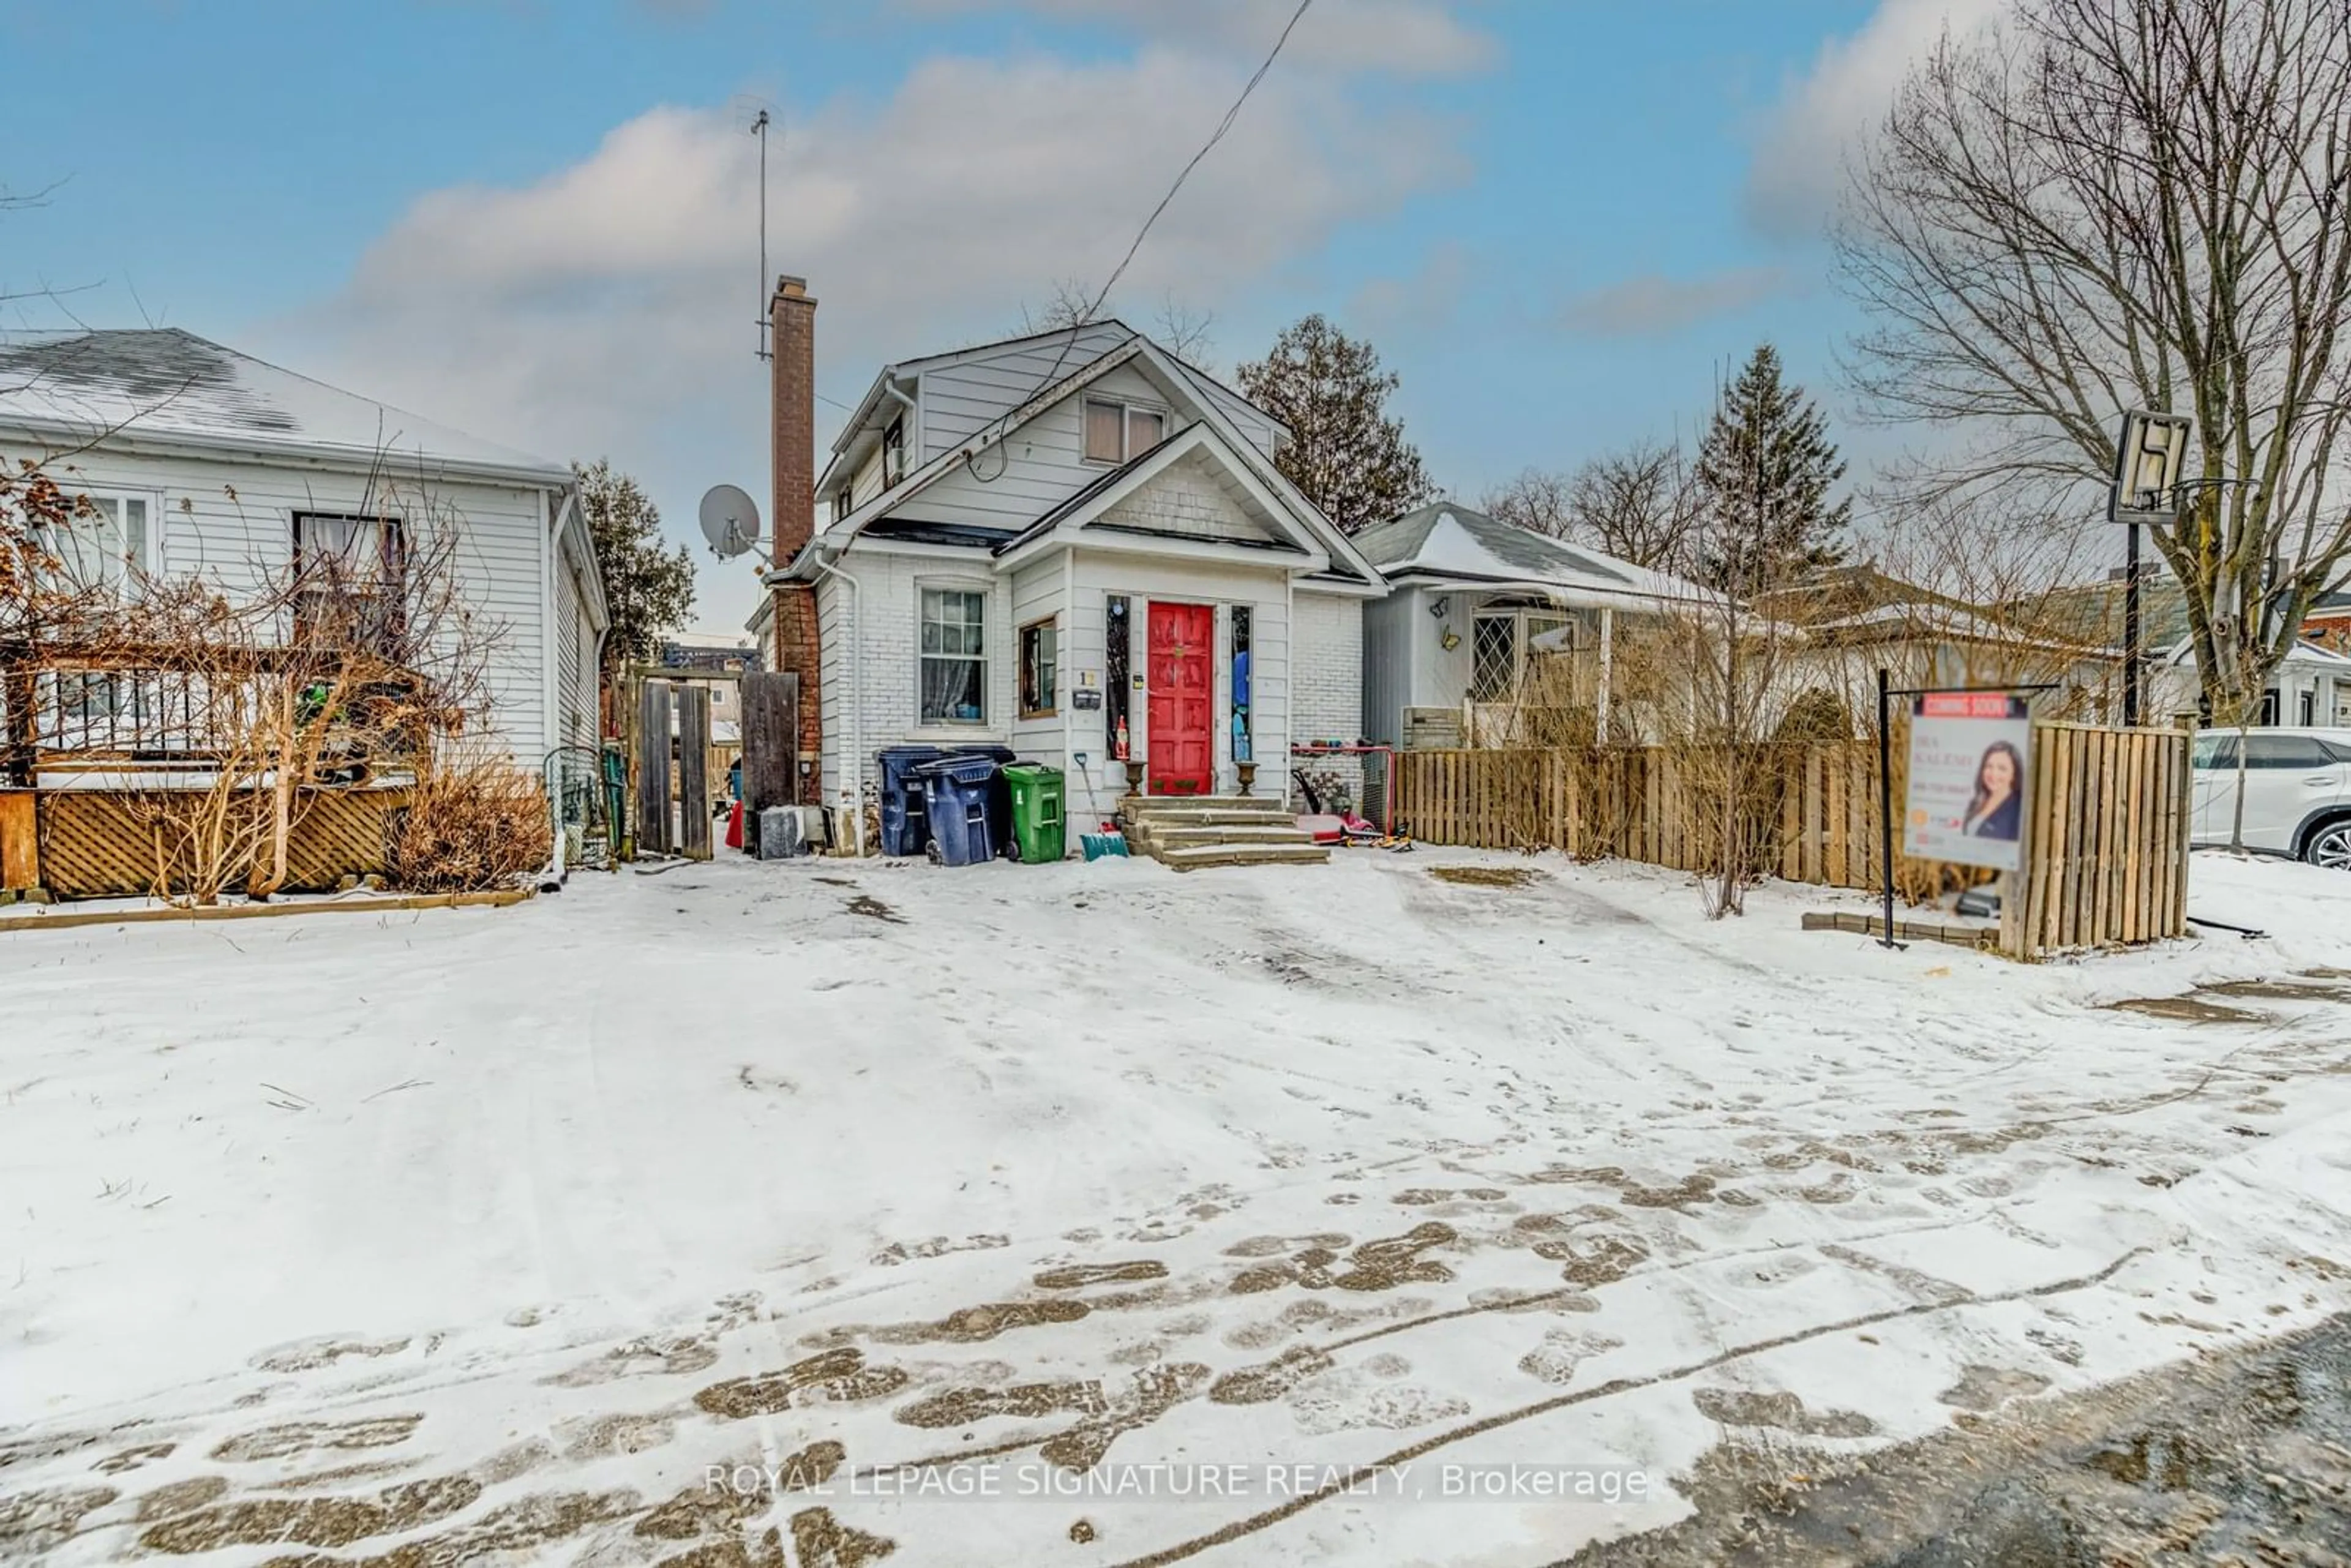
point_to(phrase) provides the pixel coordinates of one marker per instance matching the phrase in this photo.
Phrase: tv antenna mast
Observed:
(760, 130)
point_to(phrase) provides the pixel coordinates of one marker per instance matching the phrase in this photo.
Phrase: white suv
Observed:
(2297, 791)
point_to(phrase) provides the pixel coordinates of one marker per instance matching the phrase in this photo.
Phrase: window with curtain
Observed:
(106, 548)
(1105, 432)
(954, 656)
(1116, 431)
(350, 568)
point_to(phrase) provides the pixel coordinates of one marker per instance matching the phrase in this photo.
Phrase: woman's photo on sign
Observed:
(1996, 809)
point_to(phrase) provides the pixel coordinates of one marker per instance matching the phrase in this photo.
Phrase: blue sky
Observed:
(1558, 219)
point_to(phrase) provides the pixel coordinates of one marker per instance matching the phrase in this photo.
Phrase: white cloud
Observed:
(1413, 37)
(1799, 159)
(1654, 304)
(609, 307)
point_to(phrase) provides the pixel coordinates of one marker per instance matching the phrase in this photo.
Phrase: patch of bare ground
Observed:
(2241, 1458)
(521, 1530)
(1484, 875)
(301, 1437)
(835, 1376)
(38, 1521)
(311, 1521)
(1077, 1276)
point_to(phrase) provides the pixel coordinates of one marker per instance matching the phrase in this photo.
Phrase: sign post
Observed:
(1970, 767)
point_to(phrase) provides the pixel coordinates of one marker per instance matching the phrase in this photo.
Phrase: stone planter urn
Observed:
(1248, 775)
(1134, 766)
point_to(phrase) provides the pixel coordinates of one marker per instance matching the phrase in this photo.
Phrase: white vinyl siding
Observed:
(229, 518)
(959, 400)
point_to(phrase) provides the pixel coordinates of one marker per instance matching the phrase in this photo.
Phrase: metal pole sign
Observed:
(1970, 755)
(1969, 765)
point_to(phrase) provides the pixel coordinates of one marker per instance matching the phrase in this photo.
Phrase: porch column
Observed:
(1607, 668)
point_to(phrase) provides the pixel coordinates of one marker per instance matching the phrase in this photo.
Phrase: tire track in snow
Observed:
(1357, 1474)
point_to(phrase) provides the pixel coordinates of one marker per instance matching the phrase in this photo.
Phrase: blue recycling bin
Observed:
(904, 829)
(954, 800)
(999, 791)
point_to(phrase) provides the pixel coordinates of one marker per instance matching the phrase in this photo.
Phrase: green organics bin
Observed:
(1037, 826)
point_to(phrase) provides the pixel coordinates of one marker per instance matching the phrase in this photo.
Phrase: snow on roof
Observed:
(168, 384)
(1444, 539)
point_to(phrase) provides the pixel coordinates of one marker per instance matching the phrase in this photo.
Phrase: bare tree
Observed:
(1534, 499)
(2098, 206)
(1183, 330)
(1179, 327)
(1638, 504)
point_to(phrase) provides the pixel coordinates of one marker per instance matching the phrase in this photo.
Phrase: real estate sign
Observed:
(1969, 753)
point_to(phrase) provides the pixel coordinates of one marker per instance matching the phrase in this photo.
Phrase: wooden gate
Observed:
(771, 743)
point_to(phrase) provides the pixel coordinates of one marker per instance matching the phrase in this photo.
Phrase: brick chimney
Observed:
(791, 316)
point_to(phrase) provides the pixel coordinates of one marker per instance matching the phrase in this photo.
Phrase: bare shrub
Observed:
(473, 825)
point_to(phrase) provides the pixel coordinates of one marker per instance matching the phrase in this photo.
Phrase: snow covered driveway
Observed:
(1243, 1217)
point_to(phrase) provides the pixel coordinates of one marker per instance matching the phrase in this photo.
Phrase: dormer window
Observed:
(893, 452)
(1119, 432)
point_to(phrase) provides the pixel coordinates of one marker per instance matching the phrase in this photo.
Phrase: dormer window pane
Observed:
(1105, 432)
(1144, 429)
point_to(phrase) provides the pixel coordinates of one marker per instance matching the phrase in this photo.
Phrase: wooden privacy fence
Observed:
(95, 843)
(2105, 847)
(1811, 812)
(2106, 851)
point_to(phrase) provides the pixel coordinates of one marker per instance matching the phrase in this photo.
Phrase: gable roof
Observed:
(1451, 542)
(1088, 506)
(166, 386)
(1346, 561)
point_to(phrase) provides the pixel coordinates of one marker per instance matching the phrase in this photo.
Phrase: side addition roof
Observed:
(1448, 542)
(164, 386)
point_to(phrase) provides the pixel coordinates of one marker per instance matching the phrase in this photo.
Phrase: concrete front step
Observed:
(1172, 835)
(1194, 856)
(1191, 805)
(1149, 822)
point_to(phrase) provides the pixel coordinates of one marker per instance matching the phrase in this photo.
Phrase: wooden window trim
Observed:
(1052, 687)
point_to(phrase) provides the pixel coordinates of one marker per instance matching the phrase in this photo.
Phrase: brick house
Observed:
(1072, 544)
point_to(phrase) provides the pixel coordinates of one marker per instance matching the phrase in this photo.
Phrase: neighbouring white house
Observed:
(1451, 655)
(1072, 544)
(200, 459)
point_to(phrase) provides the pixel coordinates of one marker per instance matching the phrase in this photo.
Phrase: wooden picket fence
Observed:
(2106, 859)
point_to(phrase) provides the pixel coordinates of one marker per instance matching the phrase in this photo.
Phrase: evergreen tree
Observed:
(1346, 455)
(1765, 470)
(648, 589)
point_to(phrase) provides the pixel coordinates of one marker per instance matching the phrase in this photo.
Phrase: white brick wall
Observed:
(886, 668)
(1327, 681)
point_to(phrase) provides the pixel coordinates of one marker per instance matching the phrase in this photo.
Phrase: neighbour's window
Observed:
(840, 503)
(1039, 666)
(893, 452)
(105, 547)
(2268, 708)
(354, 553)
(955, 664)
(1116, 431)
(1493, 657)
(350, 570)
(2308, 703)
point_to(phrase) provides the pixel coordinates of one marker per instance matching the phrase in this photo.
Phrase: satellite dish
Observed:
(730, 521)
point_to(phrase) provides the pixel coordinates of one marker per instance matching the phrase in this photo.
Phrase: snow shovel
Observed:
(1109, 840)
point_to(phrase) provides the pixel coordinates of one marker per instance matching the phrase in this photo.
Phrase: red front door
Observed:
(1183, 699)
